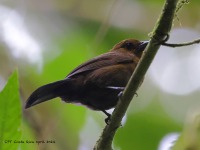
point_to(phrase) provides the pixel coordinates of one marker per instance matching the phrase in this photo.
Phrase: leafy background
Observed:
(45, 40)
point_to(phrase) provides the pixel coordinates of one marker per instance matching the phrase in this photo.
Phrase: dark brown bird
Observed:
(97, 82)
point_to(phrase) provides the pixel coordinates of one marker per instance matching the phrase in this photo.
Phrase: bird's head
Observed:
(131, 45)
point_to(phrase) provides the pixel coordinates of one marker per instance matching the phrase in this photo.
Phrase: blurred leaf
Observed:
(27, 135)
(10, 114)
(68, 119)
(190, 137)
(145, 129)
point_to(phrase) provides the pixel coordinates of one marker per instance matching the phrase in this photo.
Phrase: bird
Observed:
(96, 83)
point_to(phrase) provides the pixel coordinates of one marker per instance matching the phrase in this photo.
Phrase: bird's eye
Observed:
(128, 45)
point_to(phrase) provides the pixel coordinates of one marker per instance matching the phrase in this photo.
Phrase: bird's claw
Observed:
(107, 120)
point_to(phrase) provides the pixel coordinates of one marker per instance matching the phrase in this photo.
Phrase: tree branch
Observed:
(161, 30)
(182, 44)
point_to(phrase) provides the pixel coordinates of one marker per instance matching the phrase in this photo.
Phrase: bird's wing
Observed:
(107, 59)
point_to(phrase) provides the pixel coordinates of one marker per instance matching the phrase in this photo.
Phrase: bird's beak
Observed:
(143, 45)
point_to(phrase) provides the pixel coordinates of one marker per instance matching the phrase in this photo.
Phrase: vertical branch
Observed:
(159, 34)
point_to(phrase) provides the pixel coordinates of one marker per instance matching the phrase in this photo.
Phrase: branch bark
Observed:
(159, 34)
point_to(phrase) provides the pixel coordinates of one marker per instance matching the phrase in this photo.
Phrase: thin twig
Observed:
(180, 5)
(102, 31)
(182, 44)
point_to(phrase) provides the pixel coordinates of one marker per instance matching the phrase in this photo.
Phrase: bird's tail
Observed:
(47, 92)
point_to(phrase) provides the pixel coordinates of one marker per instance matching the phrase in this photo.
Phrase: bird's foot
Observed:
(107, 120)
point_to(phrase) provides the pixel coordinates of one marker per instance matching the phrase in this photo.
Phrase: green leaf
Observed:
(10, 114)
